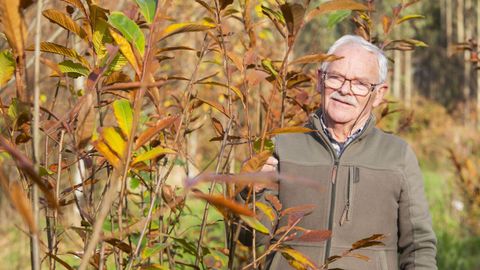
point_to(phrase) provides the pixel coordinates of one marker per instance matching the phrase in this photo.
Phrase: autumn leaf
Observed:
(255, 163)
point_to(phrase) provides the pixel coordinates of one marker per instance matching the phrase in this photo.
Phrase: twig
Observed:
(35, 247)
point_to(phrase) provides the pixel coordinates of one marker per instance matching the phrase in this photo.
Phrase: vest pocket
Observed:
(382, 260)
(353, 178)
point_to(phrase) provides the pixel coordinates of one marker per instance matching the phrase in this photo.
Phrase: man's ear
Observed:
(379, 94)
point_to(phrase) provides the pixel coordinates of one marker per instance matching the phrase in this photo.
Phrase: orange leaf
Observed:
(333, 6)
(256, 162)
(149, 133)
(224, 205)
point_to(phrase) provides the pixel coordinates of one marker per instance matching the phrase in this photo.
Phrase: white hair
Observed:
(352, 39)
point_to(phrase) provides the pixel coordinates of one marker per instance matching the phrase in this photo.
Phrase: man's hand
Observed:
(270, 165)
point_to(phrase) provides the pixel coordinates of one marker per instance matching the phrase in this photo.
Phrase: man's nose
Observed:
(345, 89)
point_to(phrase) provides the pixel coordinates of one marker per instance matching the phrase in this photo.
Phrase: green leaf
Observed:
(409, 17)
(118, 62)
(147, 8)
(255, 224)
(100, 37)
(124, 115)
(129, 29)
(153, 153)
(267, 145)
(337, 16)
(7, 66)
(149, 251)
(268, 66)
(134, 183)
(73, 69)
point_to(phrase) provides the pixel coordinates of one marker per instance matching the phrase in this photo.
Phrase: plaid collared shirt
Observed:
(339, 146)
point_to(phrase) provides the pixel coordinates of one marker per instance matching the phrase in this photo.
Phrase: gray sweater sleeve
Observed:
(417, 241)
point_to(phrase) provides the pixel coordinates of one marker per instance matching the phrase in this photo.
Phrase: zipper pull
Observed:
(334, 172)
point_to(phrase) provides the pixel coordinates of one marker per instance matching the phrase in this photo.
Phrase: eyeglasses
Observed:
(358, 87)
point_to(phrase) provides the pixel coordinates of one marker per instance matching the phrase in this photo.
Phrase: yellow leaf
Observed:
(111, 157)
(62, 50)
(125, 49)
(114, 140)
(267, 210)
(13, 25)
(297, 259)
(253, 223)
(153, 153)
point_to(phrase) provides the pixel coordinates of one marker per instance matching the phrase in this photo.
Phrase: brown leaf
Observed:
(19, 200)
(303, 209)
(274, 201)
(333, 6)
(293, 14)
(289, 130)
(218, 126)
(315, 58)
(149, 133)
(255, 163)
(225, 205)
(373, 240)
(64, 21)
(119, 244)
(26, 166)
(315, 236)
(13, 25)
(85, 121)
(216, 106)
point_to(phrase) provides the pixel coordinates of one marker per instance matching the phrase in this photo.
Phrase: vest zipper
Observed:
(346, 215)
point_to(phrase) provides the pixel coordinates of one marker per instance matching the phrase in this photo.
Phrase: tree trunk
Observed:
(468, 65)
(449, 24)
(477, 13)
(397, 74)
(408, 79)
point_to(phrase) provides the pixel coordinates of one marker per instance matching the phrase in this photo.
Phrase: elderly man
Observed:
(371, 180)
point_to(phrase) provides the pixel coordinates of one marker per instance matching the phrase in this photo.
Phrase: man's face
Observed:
(342, 106)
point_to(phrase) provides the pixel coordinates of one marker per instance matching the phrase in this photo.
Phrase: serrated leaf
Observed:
(334, 6)
(153, 153)
(409, 17)
(315, 58)
(78, 4)
(118, 62)
(74, 69)
(100, 37)
(255, 163)
(125, 49)
(62, 50)
(253, 223)
(124, 115)
(289, 130)
(64, 21)
(267, 210)
(7, 66)
(129, 29)
(178, 28)
(147, 8)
